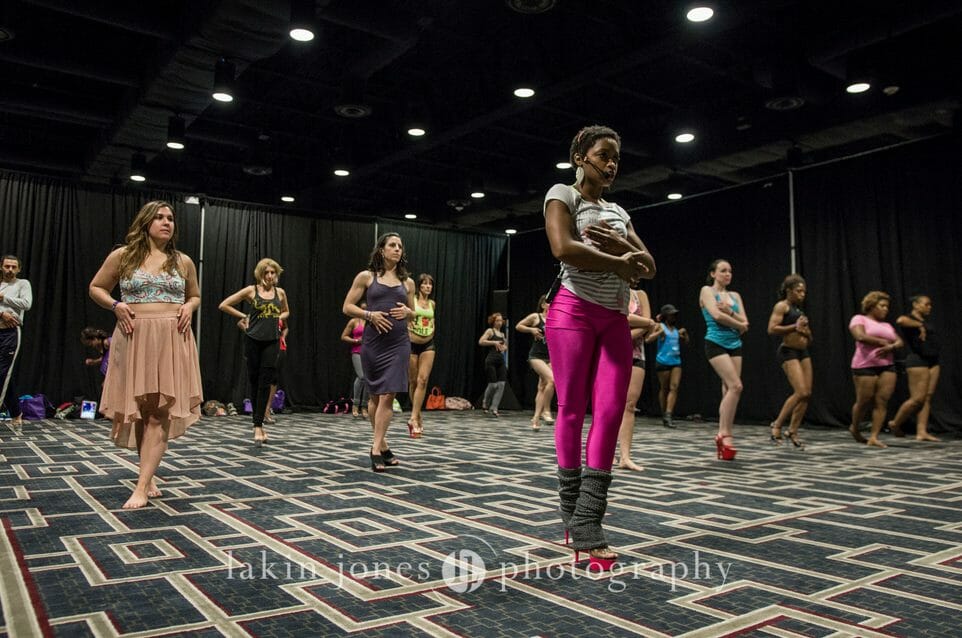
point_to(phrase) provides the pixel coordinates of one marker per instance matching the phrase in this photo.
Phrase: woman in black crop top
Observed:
(262, 329)
(494, 366)
(790, 323)
(152, 391)
(921, 366)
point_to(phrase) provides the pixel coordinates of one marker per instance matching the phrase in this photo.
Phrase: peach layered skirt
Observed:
(154, 365)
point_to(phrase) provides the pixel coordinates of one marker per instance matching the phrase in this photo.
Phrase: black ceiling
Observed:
(85, 85)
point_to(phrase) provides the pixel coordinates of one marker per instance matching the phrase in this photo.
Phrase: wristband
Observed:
(114, 307)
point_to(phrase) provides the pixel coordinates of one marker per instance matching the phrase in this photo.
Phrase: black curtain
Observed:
(887, 221)
(63, 230)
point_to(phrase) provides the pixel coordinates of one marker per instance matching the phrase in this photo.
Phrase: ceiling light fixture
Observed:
(223, 81)
(685, 137)
(524, 92)
(416, 131)
(341, 172)
(477, 188)
(138, 168)
(700, 13)
(563, 166)
(858, 87)
(176, 129)
(287, 199)
(674, 196)
(302, 20)
(410, 216)
(510, 231)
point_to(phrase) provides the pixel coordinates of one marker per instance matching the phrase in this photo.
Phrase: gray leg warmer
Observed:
(498, 393)
(585, 526)
(569, 486)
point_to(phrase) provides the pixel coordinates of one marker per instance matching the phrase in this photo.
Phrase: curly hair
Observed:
(90, 334)
(873, 299)
(137, 241)
(788, 284)
(263, 265)
(376, 261)
(493, 317)
(587, 137)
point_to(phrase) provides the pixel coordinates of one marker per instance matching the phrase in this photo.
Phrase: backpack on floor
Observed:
(35, 407)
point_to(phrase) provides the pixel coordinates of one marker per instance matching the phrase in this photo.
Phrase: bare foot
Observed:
(875, 442)
(895, 429)
(152, 490)
(137, 500)
(925, 436)
(853, 430)
(628, 464)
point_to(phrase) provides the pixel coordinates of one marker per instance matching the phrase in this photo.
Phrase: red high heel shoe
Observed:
(601, 563)
(414, 434)
(725, 452)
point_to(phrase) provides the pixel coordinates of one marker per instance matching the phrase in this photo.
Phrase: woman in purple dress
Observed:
(389, 290)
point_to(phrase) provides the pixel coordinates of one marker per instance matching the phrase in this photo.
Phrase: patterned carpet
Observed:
(300, 538)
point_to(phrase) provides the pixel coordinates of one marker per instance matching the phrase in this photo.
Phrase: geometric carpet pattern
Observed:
(300, 538)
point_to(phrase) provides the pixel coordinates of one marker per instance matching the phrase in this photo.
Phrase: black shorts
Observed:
(637, 363)
(663, 367)
(420, 348)
(872, 371)
(918, 361)
(784, 353)
(713, 350)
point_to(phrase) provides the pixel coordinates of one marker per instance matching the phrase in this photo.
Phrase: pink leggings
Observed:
(590, 355)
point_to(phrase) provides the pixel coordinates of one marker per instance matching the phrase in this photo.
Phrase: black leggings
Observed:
(494, 368)
(9, 349)
(262, 372)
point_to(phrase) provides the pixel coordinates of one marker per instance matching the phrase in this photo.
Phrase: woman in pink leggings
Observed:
(590, 341)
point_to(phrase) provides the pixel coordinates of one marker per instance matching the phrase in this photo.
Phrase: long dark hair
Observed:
(376, 261)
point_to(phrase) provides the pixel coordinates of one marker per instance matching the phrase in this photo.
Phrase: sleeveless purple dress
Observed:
(384, 356)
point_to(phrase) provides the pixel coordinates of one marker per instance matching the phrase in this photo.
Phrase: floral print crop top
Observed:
(144, 287)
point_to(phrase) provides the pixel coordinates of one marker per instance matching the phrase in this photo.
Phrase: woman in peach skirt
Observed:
(152, 391)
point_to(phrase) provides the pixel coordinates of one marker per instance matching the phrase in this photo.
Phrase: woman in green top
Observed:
(421, 331)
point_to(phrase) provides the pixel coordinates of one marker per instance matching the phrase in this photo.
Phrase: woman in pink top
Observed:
(873, 365)
(353, 334)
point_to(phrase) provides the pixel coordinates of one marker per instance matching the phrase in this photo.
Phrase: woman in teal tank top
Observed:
(726, 321)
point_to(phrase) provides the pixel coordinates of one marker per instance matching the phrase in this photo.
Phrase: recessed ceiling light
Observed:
(477, 195)
(287, 198)
(223, 97)
(302, 35)
(510, 231)
(410, 216)
(674, 195)
(416, 131)
(891, 90)
(524, 92)
(563, 165)
(341, 172)
(685, 138)
(177, 146)
(700, 14)
(858, 87)
(138, 178)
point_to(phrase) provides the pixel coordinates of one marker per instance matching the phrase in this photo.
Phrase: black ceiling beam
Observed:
(126, 16)
(69, 67)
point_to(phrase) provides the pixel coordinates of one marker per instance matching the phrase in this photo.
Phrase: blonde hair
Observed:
(263, 265)
(872, 299)
(137, 241)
